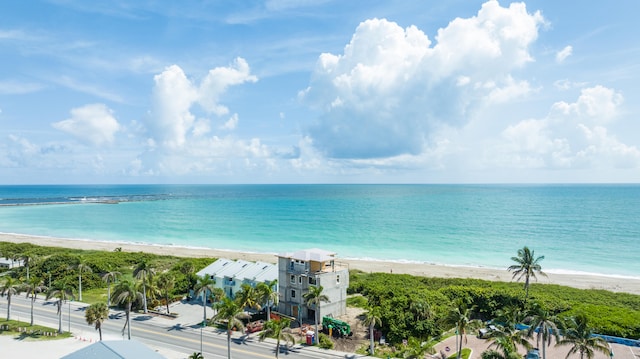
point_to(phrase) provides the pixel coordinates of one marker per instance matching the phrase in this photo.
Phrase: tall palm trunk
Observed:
(228, 343)
(108, 293)
(9, 306)
(269, 314)
(129, 320)
(371, 342)
(144, 294)
(80, 285)
(33, 299)
(204, 311)
(317, 316)
(60, 316)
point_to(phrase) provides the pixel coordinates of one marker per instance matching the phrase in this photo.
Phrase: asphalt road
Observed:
(159, 333)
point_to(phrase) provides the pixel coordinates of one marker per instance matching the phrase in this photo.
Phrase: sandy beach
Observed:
(615, 284)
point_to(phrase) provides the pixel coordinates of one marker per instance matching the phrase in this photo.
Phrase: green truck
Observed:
(336, 327)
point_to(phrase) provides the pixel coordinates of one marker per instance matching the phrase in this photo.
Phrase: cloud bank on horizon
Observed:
(485, 92)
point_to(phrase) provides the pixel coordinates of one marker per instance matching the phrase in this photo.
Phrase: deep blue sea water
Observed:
(578, 228)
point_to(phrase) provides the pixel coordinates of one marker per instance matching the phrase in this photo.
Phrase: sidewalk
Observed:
(190, 315)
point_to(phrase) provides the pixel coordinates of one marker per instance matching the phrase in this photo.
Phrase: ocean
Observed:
(590, 229)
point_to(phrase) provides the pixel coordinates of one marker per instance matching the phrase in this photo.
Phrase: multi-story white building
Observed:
(230, 275)
(300, 270)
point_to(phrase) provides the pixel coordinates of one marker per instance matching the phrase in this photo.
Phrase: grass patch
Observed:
(466, 352)
(22, 331)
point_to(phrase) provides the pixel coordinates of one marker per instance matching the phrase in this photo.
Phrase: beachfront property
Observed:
(298, 271)
(7, 263)
(230, 275)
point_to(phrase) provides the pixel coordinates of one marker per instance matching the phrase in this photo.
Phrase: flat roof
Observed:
(313, 254)
(241, 270)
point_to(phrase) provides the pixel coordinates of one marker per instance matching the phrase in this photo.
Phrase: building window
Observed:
(338, 278)
(300, 280)
(293, 293)
(293, 279)
(312, 280)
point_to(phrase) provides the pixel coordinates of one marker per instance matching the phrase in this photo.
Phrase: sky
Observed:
(319, 91)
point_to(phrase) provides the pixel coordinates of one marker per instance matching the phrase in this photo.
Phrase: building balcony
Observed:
(326, 268)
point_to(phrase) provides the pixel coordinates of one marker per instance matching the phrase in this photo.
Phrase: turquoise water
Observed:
(578, 228)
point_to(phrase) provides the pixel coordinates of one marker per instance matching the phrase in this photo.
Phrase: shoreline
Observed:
(575, 280)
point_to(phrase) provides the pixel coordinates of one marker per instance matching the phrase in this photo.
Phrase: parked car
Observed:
(533, 354)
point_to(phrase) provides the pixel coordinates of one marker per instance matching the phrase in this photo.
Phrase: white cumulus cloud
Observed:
(564, 53)
(385, 94)
(596, 104)
(93, 124)
(174, 96)
(571, 136)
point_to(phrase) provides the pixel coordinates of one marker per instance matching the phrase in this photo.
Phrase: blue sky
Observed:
(285, 91)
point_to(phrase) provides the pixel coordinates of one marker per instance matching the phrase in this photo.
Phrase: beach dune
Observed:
(614, 284)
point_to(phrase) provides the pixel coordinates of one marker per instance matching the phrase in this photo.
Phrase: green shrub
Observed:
(324, 341)
(357, 301)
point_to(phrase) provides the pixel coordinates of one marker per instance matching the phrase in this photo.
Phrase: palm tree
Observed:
(248, 297)
(230, 311)
(314, 297)
(204, 287)
(126, 292)
(421, 310)
(460, 317)
(166, 283)
(196, 356)
(152, 289)
(507, 339)
(216, 295)
(27, 260)
(579, 334)
(10, 287)
(82, 267)
(371, 318)
(268, 295)
(546, 324)
(527, 265)
(111, 276)
(510, 316)
(96, 314)
(63, 293)
(142, 272)
(416, 348)
(277, 329)
(494, 354)
(33, 287)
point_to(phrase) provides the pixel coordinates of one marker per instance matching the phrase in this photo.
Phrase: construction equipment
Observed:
(335, 327)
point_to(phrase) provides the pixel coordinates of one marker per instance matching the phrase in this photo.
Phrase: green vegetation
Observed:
(465, 354)
(413, 311)
(33, 332)
(609, 313)
(324, 341)
(278, 329)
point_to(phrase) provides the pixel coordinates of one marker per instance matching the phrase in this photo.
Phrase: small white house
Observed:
(7, 263)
